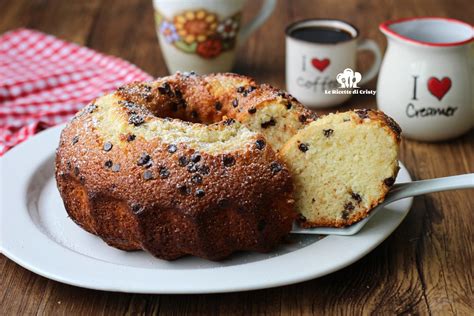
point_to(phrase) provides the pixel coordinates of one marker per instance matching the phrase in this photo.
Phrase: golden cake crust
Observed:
(137, 191)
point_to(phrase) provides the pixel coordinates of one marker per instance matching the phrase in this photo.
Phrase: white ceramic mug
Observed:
(426, 79)
(315, 69)
(202, 35)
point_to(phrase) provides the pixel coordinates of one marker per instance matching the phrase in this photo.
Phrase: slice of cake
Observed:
(343, 166)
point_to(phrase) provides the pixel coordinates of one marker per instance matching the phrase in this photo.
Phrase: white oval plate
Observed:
(37, 234)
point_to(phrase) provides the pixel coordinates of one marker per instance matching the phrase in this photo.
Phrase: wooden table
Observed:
(425, 267)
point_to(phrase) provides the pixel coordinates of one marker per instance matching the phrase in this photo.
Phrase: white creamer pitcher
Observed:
(426, 80)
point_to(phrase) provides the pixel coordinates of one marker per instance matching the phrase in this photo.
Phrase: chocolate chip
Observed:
(356, 197)
(328, 132)
(192, 167)
(131, 137)
(275, 167)
(165, 88)
(136, 119)
(107, 146)
(68, 165)
(164, 173)
(178, 93)
(261, 225)
(345, 214)
(313, 200)
(172, 148)
(82, 179)
(174, 107)
(223, 202)
(76, 171)
(144, 159)
(195, 157)
(196, 178)
(91, 108)
(240, 89)
(218, 106)
(137, 208)
(116, 167)
(260, 144)
(200, 193)
(288, 105)
(303, 147)
(389, 181)
(183, 189)
(272, 122)
(228, 161)
(363, 113)
(108, 164)
(75, 139)
(229, 122)
(204, 170)
(302, 118)
(148, 175)
(349, 206)
(251, 88)
(235, 103)
(183, 161)
(194, 114)
(252, 110)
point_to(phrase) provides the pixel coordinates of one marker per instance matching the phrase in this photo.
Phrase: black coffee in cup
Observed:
(319, 34)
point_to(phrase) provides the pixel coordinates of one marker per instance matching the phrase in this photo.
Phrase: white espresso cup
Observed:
(321, 59)
(203, 35)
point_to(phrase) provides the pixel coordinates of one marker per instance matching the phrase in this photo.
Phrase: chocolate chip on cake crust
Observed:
(363, 113)
(218, 106)
(228, 161)
(131, 137)
(183, 189)
(303, 147)
(288, 105)
(75, 139)
(196, 178)
(235, 103)
(164, 172)
(240, 89)
(108, 164)
(172, 148)
(144, 159)
(204, 170)
(195, 157)
(275, 167)
(193, 167)
(328, 132)
(136, 119)
(107, 146)
(260, 144)
(148, 175)
(183, 161)
(200, 193)
(252, 110)
(302, 118)
(137, 208)
(76, 171)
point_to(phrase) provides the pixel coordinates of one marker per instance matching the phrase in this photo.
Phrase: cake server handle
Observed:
(415, 188)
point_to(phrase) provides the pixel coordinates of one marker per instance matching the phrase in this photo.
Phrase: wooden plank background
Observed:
(425, 267)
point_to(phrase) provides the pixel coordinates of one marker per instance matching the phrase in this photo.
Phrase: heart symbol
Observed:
(320, 64)
(439, 88)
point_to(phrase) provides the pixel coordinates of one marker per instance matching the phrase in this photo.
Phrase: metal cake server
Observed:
(398, 191)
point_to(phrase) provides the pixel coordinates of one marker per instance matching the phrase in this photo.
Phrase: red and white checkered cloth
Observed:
(44, 81)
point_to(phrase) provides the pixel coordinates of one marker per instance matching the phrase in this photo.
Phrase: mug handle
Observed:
(370, 45)
(265, 12)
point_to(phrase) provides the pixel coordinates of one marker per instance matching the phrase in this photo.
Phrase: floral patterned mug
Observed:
(202, 35)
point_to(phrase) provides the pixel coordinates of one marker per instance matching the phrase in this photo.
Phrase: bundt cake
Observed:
(342, 166)
(183, 165)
